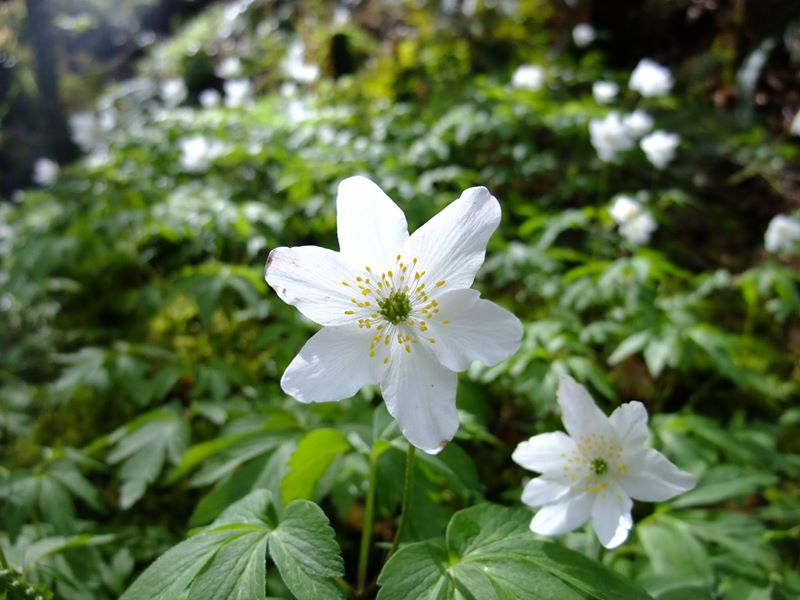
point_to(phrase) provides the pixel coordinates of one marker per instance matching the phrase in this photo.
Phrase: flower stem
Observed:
(366, 532)
(409, 485)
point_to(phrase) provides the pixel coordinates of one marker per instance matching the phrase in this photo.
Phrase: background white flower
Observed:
(296, 66)
(229, 67)
(210, 98)
(583, 34)
(650, 79)
(794, 128)
(395, 309)
(660, 147)
(609, 136)
(604, 91)
(783, 234)
(595, 469)
(639, 229)
(45, 171)
(238, 92)
(173, 91)
(624, 208)
(197, 152)
(530, 77)
(637, 123)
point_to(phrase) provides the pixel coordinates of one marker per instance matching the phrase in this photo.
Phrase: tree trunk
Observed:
(40, 29)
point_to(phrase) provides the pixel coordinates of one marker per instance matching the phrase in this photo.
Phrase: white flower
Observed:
(173, 91)
(604, 91)
(637, 123)
(197, 152)
(624, 208)
(609, 136)
(229, 67)
(209, 98)
(783, 234)
(794, 128)
(595, 469)
(85, 130)
(238, 92)
(660, 147)
(530, 77)
(296, 67)
(396, 310)
(650, 79)
(639, 228)
(583, 35)
(45, 172)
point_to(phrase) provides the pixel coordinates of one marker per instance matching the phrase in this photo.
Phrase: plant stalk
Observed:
(366, 532)
(409, 485)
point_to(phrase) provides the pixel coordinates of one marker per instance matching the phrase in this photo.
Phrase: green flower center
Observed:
(395, 307)
(599, 466)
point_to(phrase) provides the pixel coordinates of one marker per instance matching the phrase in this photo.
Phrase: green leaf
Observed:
(673, 550)
(629, 345)
(227, 560)
(489, 553)
(310, 461)
(143, 449)
(306, 553)
(725, 482)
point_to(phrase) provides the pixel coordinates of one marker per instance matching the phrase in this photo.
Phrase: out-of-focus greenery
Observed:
(141, 348)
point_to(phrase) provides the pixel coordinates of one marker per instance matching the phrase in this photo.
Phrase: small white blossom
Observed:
(85, 130)
(529, 77)
(229, 67)
(296, 67)
(593, 471)
(583, 35)
(651, 79)
(609, 136)
(396, 309)
(604, 91)
(637, 123)
(197, 152)
(173, 91)
(45, 172)
(660, 147)
(783, 234)
(638, 229)
(794, 128)
(624, 208)
(238, 92)
(210, 98)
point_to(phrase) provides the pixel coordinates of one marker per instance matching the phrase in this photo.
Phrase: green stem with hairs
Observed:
(366, 533)
(409, 485)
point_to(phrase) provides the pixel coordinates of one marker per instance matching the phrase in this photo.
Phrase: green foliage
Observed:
(142, 350)
(489, 552)
(226, 559)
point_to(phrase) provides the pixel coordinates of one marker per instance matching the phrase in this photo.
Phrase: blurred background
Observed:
(646, 154)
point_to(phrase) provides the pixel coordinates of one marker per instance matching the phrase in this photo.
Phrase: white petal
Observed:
(545, 453)
(371, 227)
(653, 478)
(452, 245)
(421, 394)
(611, 516)
(332, 365)
(311, 279)
(544, 491)
(476, 329)
(629, 420)
(579, 413)
(555, 519)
